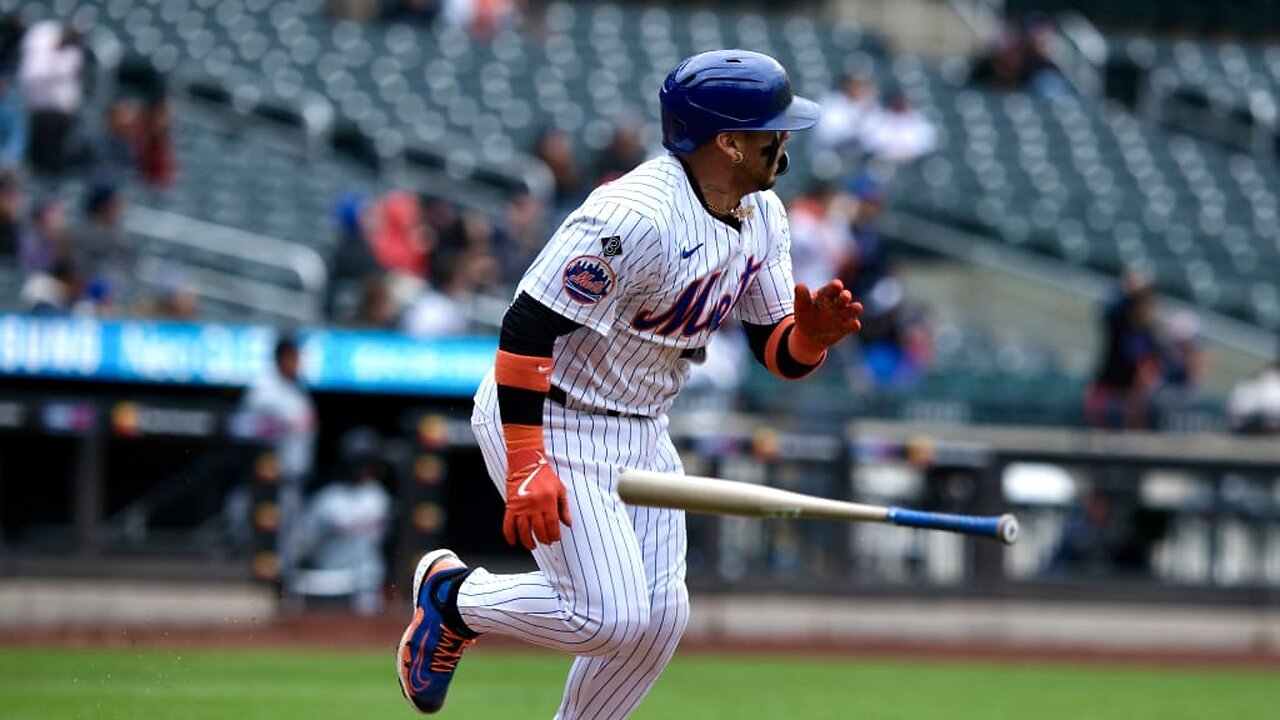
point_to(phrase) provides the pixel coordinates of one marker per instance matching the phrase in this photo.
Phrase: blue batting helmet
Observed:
(721, 90)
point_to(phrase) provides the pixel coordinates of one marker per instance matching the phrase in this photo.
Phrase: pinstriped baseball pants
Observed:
(612, 591)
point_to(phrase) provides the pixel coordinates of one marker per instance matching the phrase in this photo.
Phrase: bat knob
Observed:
(1007, 529)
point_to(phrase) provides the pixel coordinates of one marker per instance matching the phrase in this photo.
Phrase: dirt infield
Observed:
(336, 631)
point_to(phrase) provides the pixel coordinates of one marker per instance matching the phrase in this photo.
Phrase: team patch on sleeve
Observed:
(588, 279)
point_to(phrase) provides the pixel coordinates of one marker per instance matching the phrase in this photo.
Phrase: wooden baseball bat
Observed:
(728, 497)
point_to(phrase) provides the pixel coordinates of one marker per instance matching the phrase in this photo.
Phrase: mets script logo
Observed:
(588, 279)
(694, 310)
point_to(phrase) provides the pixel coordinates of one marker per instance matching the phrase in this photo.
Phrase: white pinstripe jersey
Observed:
(650, 274)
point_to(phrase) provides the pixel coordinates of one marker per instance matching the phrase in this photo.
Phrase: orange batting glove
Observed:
(823, 318)
(536, 499)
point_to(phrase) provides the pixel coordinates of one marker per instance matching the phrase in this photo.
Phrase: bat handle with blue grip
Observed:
(1003, 528)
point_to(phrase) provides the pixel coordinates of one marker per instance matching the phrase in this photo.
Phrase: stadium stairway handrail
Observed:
(294, 305)
(244, 246)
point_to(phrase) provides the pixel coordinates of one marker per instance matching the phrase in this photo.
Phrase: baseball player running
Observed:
(593, 351)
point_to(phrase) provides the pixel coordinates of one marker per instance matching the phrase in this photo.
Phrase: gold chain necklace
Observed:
(741, 212)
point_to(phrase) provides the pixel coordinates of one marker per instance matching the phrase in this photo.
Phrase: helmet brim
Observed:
(801, 114)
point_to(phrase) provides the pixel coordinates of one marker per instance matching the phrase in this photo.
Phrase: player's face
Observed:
(763, 151)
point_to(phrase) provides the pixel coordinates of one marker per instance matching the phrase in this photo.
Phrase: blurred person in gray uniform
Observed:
(279, 397)
(346, 522)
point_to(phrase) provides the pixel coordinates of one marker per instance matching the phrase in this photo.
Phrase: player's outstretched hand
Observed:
(536, 500)
(825, 317)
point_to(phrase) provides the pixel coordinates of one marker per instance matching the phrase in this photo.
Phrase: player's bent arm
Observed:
(536, 501)
(797, 344)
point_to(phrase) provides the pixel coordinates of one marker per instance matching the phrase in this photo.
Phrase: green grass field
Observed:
(248, 685)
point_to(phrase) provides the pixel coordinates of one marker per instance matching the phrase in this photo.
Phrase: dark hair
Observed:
(358, 447)
(285, 344)
(65, 270)
(99, 197)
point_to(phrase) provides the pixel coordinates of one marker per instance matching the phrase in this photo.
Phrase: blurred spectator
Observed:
(868, 263)
(12, 30)
(50, 75)
(821, 236)
(555, 148)
(352, 261)
(1129, 368)
(400, 242)
(1110, 531)
(1003, 65)
(347, 521)
(60, 290)
(482, 18)
(100, 240)
(377, 308)
(278, 398)
(441, 309)
(475, 245)
(441, 219)
(157, 161)
(845, 113)
(1019, 60)
(521, 236)
(1182, 358)
(1085, 545)
(898, 132)
(45, 241)
(13, 126)
(1254, 406)
(421, 12)
(178, 302)
(173, 298)
(623, 153)
(10, 218)
(1046, 79)
(896, 345)
(114, 153)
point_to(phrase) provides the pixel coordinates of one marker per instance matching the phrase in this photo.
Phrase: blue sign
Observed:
(233, 355)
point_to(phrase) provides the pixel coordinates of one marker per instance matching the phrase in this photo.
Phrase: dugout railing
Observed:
(95, 485)
(1124, 517)
(1141, 517)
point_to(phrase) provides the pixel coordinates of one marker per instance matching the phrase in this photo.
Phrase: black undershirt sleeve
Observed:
(528, 328)
(758, 338)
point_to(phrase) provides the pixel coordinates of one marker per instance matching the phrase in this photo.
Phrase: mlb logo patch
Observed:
(611, 246)
(588, 279)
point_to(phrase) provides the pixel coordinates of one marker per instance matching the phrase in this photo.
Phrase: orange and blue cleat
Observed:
(432, 645)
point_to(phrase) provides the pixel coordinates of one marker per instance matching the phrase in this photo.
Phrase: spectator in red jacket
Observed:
(157, 161)
(400, 241)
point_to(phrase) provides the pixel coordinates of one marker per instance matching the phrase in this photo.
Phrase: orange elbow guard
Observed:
(526, 372)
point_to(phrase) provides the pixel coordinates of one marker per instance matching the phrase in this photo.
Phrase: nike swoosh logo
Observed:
(544, 368)
(684, 254)
(523, 488)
